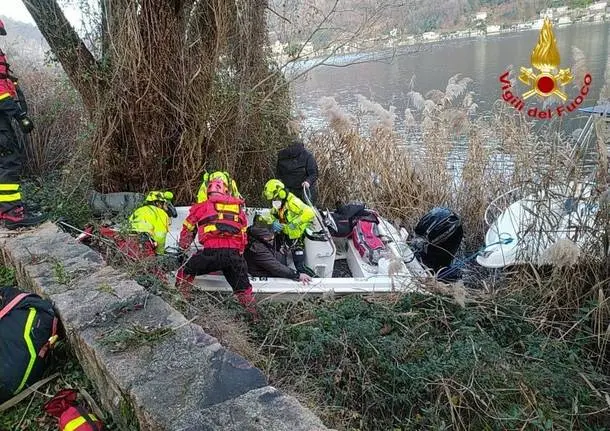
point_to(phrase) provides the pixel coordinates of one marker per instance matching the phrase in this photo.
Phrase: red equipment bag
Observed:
(72, 416)
(367, 242)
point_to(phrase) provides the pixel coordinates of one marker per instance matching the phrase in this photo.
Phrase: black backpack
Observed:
(28, 328)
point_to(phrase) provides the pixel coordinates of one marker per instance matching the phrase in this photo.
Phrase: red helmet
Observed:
(2, 29)
(218, 186)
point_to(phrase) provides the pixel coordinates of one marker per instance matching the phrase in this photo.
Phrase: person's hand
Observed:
(304, 278)
(26, 124)
(305, 184)
(276, 226)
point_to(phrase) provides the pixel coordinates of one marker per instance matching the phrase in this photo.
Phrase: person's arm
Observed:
(267, 260)
(305, 213)
(187, 234)
(311, 169)
(10, 108)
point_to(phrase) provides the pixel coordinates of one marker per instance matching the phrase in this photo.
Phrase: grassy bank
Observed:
(528, 353)
(425, 362)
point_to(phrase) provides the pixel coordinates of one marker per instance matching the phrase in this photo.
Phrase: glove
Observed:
(25, 123)
(276, 226)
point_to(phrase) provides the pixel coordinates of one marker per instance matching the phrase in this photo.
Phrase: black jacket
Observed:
(296, 164)
(262, 258)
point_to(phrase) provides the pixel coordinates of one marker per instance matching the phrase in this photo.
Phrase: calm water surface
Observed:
(482, 59)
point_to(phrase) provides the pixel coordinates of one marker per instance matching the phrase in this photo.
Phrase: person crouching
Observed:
(220, 224)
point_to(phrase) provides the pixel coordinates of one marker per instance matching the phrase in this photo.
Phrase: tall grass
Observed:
(562, 296)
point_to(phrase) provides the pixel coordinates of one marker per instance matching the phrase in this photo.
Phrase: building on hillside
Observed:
(493, 29)
(547, 13)
(598, 7)
(480, 16)
(430, 35)
(561, 11)
(537, 25)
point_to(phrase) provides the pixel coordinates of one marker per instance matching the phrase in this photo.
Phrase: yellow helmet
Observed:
(274, 189)
(218, 175)
(164, 198)
(159, 196)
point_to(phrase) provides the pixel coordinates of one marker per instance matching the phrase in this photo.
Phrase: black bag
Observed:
(346, 217)
(28, 328)
(437, 238)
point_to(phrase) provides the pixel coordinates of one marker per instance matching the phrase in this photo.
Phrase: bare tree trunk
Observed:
(78, 62)
(181, 85)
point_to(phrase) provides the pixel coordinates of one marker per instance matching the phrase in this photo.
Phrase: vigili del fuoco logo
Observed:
(545, 79)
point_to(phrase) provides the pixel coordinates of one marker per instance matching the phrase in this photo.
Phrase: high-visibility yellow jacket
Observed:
(152, 220)
(294, 214)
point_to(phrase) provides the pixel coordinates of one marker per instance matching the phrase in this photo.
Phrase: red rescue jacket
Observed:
(7, 86)
(220, 221)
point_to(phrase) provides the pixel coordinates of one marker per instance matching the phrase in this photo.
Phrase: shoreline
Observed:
(401, 48)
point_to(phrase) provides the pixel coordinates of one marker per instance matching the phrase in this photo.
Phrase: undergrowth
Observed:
(423, 362)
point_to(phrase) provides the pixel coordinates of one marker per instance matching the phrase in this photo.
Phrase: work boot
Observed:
(184, 283)
(247, 300)
(15, 216)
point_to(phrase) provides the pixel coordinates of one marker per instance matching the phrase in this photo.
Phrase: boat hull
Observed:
(321, 255)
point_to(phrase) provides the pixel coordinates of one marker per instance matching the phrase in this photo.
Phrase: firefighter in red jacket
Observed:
(12, 211)
(220, 224)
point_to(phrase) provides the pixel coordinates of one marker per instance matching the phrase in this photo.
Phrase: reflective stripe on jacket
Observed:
(220, 222)
(152, 220)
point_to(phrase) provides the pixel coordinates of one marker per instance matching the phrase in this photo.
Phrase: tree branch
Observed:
(77, 61)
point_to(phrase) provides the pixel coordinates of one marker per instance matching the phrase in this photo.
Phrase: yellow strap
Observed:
(188, 225)
(233, 208)
(76, 422)
(10, 198)
(4, 96)
(28, 341)
(209, 228)
(9, 187)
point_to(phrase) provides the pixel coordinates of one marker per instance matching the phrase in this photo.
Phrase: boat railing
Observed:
(307, 196)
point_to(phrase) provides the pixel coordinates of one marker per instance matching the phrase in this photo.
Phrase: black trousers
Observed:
(228, 260)
(11, 154)
(296, 247)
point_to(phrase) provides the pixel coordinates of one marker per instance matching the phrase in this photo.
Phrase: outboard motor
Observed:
(438, 236)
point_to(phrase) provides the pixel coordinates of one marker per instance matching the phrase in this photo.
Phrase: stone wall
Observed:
(178, 379)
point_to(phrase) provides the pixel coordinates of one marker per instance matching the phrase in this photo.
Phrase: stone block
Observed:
(263, 409)
(153, 369)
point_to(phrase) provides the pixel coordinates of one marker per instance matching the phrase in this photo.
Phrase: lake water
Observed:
(482, 59)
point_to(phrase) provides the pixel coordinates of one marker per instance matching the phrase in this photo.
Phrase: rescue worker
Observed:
(297, 169)
(12, 210)
(153, 218)
(218, 175)
(220, 224)
(264, 260)
(289, 217)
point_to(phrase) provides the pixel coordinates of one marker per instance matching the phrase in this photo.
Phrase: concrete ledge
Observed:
(178, 379)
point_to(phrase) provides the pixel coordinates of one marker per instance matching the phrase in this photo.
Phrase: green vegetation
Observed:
(423, 362)
(7, 276)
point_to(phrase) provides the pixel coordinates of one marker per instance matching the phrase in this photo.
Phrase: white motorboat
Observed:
(525, 230)
(397, 269)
